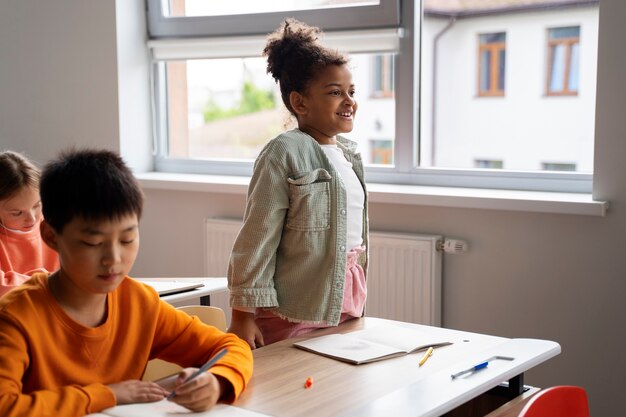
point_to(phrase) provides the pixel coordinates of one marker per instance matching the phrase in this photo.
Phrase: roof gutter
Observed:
(464, 13)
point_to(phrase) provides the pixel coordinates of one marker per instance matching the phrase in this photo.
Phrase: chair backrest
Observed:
(558, 401)
(215, 316)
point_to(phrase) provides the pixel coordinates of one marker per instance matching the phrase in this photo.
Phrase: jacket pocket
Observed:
(309, 201)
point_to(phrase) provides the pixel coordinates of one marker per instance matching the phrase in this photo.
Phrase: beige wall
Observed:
(559, 277)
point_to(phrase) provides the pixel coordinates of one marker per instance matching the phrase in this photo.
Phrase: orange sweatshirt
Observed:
(22, 254)
(51, 365)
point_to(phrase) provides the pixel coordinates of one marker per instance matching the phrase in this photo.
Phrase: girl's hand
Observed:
(201, 393)
(243, 325)
(134, 391)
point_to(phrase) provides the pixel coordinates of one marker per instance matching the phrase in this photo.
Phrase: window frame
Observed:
(568, 43)
(494, 68)
(407, 16)
(384, 15)
(382, 84)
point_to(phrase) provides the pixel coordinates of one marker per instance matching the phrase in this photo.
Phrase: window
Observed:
(558, 166)
(230, 115)
(383, 75)
(489, 163)
(422, 71)
(228, 7)
(170, 19)
(216, 106)
(382, 151)
(563, 56)
(492, 60)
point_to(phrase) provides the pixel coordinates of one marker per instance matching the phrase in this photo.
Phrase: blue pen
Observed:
(482, 365)
(474, 368)
(204, 368)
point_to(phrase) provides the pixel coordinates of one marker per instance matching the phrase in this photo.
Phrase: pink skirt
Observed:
(275, 328)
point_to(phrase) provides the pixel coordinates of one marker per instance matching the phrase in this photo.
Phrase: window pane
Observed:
(383, 76)
(229, 108)
(228, 7)
(462, 130)
(488, 163)
(564, 33)
(381, 152)
(572, 84)
(492, 63)
(375, 121)
(558, 166)
(557, 74)
(485, 70)
(492, 38)
(501, 69)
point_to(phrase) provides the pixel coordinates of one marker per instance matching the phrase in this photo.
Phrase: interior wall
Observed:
(550, 276)
(58, 76)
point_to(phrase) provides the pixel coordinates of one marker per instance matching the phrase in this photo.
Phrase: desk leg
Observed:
(205, 300)
(516, 386)
(511, 390)
(490, 400)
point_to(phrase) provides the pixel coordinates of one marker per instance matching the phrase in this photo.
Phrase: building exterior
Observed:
(508, 84)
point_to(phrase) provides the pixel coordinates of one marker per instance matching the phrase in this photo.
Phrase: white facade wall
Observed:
(375, 117)
(525, 127)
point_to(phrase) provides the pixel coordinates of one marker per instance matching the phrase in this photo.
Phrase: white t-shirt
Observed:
(354, 192)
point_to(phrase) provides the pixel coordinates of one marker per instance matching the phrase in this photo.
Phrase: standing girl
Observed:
(299, 260)
(22, 252)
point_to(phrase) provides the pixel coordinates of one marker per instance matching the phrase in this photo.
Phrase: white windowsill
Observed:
(527, 201)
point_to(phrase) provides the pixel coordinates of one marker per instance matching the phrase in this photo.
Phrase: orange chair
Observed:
(559, 401)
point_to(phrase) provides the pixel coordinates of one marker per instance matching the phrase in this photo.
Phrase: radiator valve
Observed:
(452, 246)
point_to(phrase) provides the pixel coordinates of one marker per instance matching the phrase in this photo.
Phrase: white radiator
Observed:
(404, 278)
(403, 282)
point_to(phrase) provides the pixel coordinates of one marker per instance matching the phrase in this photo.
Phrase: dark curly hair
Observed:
(295, 57)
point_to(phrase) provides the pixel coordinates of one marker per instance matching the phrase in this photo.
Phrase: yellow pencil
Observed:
(426, 355)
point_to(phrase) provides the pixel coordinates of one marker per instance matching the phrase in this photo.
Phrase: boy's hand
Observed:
(243, 325)
(134, 391)
(201, 393)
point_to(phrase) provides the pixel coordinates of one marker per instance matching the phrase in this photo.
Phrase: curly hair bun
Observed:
(294, 56)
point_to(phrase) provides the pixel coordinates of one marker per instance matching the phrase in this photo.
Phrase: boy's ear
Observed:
(297, 102)
(49, 235)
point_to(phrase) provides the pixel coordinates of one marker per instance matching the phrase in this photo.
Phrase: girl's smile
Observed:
(328, 106)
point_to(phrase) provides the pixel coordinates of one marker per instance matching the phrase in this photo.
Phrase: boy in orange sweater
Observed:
(77, 341)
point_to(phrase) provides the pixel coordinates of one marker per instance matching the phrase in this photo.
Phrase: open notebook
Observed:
(373, 344)
(172, 286)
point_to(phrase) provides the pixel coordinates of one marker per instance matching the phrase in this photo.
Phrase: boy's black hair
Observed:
(90, 184)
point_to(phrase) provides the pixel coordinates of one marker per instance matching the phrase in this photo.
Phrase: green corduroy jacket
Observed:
(290, 254)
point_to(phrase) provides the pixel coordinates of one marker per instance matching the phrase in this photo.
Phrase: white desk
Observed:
(438, 393)
(211, 286)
